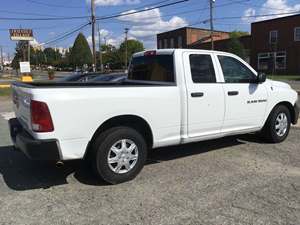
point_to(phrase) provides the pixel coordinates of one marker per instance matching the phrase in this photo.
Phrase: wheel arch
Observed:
(133, 121)
(290, 108)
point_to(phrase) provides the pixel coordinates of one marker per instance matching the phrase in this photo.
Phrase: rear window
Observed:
(202, 69)
(152, 68)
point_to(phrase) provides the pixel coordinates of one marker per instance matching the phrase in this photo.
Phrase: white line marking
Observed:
(7, 115)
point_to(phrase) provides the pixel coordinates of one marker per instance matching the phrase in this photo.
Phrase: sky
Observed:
(142, 26)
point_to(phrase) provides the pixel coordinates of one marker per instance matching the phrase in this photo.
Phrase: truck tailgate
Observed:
(21, 99)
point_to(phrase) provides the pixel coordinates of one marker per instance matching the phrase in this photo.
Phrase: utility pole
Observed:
(211, 4)
(126, 48)
(93, 21)
(100, 50)
(2, 61)
(28, 52)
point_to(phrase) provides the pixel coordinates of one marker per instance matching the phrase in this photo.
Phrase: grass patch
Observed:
(284, 77)
(5, 91)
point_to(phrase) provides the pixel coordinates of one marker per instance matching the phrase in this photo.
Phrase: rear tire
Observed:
(119, 154)
(277, 126)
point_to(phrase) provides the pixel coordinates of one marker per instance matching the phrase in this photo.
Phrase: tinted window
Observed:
(234, 71)
(202, 69)
(73, 77)
(152, 68)
(108, 77)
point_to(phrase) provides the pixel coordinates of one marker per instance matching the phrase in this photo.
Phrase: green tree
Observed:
(65, 62)
(111, 57)
(81, 53)
(235, 46)
(52, 56)
(19, 54)
(133, 46)
(238, 33)
(37, 57)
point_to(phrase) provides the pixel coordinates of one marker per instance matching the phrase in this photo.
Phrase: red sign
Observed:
(21, 34)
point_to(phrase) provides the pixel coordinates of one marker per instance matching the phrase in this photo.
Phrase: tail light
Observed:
(41, 120)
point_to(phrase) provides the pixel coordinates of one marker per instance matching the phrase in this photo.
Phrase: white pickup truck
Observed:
(171, 97)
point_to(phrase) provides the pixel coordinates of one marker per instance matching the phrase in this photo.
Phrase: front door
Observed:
(246, 100)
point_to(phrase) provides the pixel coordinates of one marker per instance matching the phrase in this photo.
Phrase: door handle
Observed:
(232, 93)
(197, 94)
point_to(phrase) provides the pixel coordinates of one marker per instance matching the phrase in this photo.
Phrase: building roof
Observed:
(277, 18)
(194, 28)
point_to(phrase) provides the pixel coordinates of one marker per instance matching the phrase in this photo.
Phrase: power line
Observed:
(257, 16)
(190, 11)
(24, 13)
(237, 17)
(53, 5)
(125, 13)
(33, 28)
(139, 11)
(259, 6)
(65, 35)
(44, 19)
(147, 5)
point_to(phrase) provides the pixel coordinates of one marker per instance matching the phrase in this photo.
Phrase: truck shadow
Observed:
(20, 173)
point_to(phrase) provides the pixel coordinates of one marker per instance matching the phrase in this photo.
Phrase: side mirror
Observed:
(261, 78)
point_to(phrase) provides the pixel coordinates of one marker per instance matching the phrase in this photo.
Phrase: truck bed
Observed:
(126, 83)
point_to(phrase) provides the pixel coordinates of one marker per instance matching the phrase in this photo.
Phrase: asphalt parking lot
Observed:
(236, 180)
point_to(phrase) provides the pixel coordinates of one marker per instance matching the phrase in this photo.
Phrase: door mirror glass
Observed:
(261, 78)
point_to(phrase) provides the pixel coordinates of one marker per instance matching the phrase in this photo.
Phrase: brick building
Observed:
(223, 45)
(276, 45)
(184, 37)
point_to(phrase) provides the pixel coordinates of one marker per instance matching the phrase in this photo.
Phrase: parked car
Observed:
(171, 97)
(79, 77)
(110, 77)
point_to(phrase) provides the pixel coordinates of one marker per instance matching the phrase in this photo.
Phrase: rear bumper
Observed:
(32, 148)
(296, 115)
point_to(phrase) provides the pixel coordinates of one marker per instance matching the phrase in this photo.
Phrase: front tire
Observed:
(278, 125)
(119, 154)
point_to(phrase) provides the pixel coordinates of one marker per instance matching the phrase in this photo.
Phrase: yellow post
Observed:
(26, 78)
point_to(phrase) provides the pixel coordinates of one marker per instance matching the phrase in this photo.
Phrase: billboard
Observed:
(21, 34)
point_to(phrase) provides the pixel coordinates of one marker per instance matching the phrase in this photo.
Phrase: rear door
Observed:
(205, 95)
(246, 100)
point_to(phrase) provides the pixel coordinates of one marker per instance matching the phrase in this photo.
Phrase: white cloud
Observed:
(103, 34)
(142, 26)
(146, 25)
(159, 26)
(143, 17)
(247, 15)
(116, 2)
(108, 37)
(273, 7)
(36, 44)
